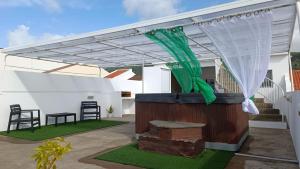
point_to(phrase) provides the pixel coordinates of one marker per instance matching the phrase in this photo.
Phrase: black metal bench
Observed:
(16, 116)
(57, 115)
(90, 109)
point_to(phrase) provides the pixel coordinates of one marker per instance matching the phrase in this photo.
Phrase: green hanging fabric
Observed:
(174, 41)
(182, 77)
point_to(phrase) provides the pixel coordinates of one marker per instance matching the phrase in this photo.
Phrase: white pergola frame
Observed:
(126, 45)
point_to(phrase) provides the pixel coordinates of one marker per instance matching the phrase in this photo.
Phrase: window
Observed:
(267, 83)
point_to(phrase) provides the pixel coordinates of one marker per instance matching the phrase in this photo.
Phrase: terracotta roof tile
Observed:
(296, 79)
(136, 77)
(116, 73)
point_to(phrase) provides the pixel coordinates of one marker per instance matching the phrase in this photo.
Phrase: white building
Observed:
(55, 93)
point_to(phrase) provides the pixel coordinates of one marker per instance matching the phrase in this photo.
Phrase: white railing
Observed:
(225, 81)
(269, 90)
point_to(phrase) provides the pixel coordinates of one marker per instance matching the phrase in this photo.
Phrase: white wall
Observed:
(157, 79)
(280, 67)
(294, 124)
(60, 93)
(134, 86)
(127, 105)
(54, 93)
(165, 81)
(291, 108)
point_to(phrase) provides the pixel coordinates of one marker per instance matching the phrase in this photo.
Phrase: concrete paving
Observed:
(275, 143)
(238, 162)
(16, 154)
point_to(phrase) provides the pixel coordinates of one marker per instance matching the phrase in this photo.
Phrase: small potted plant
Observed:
(110, 110)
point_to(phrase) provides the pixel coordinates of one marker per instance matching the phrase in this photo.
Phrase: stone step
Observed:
(264, 105)
(265, 117)
(170, 130)
(181, 147)
(269, 111)
(175, 124)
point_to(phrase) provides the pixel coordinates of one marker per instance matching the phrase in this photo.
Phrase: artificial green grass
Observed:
(131, 155)
(47, 132)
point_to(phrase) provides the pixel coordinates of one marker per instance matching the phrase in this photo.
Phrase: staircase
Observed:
(271, 92)
(268, 116)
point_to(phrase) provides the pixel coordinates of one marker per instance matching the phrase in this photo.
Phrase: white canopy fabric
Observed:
(247, 60)
(126, 45)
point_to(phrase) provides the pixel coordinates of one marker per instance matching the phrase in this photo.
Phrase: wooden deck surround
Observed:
(225, 121)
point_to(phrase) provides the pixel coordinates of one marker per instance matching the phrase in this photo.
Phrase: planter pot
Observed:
(109, 115)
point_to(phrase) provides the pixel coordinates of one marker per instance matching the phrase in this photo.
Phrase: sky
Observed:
(29, 21)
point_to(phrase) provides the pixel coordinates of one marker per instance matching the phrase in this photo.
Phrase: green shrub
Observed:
(49, 152)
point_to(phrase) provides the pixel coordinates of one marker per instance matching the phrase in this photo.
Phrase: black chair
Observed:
(16, 116)
(90, 109)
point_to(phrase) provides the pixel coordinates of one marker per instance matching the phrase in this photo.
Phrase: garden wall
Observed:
(290, 106)
(57, 93)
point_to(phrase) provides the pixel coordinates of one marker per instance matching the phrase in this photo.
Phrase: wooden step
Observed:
(181, 147)
(259, 100)
(265, 117)
(264, 105)
(269, 111)
(170, 130)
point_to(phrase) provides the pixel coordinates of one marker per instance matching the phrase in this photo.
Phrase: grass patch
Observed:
(47, 132)
(131, 155)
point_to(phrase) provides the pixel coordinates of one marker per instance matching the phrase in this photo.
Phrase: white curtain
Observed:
(244, 43)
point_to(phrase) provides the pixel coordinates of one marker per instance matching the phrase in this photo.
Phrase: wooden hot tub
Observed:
(226, 124)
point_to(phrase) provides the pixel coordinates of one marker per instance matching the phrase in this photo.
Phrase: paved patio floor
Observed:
(16, 154)
(268, 142)
(276, 143)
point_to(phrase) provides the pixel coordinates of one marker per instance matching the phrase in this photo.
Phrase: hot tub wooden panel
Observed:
(225, 122)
